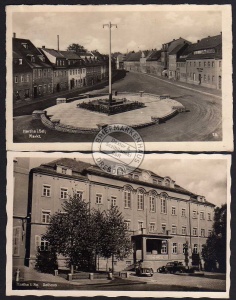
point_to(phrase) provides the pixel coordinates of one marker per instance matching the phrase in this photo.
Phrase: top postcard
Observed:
(119, 78)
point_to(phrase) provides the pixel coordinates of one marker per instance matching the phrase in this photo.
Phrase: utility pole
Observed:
(109, 25)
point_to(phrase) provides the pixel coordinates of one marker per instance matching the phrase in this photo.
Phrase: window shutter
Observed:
(37, 242)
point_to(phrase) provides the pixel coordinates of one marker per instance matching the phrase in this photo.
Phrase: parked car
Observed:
(172, 267)
(144, 271)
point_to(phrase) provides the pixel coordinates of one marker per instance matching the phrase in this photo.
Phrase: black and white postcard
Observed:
(74, 72)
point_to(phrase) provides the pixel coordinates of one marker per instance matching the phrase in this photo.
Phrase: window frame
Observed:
(173, 207)
(127, 198)
(45, 216)
(64, 190)
(46, 187)
(173, 226)
(99, 196)
(174, 248)
(140, 204)
(113, 199)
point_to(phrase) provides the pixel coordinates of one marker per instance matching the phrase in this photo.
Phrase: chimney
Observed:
(14, 35)
(58, 42)
(43, 47)
(221, 33)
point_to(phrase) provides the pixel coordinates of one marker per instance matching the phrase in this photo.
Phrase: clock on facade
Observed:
(145, 175)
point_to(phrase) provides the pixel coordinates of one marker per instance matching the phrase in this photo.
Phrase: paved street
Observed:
(202, 121)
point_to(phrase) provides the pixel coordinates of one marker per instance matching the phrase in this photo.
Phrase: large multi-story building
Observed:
(160, 216)
(39, 75)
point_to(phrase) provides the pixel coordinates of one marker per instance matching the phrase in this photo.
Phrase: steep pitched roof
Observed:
(133, 56)
(28, 51)
(154, 55)
(52, 52)
(75, 165)
(70, 55)
(178, 49)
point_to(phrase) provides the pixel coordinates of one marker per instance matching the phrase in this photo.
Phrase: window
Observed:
(173, 210)
(152, 203)
(194, 214)
(113, 201)
(173, 229)
(209, 64)
(163, 247)
(163, 204)
(46, 216)
(163, 228)
(16, 241)
(213, 78)
(64, 193)
(79, 195)
(140, 201)
(154, 181)
(183, 212)
(209, 216)
(205, 63)
(127, 199)
(209, 232)
(127, 224)
(128, 263)
(20, 61)
(213, 64)
(39, 73)
(208, 78)
(46, 190)
(44, 246)
(194, 64)
(202, 217)
(152, 227)
(44, 73)
(136, 177)
(167, 182)
(63, 170)
(98, 198)
(16, 79)
(27, 78)
(199, 64)
(194, 231)
(184, 230)
(220, 63)
(202, 232)
(140, 225)
(22, 78)
(174, 248)
(195, 248)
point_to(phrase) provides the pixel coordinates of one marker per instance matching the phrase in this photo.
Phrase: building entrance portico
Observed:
(151, 249)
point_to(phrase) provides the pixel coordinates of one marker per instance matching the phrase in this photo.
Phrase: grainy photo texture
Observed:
(163, 70)
(160, 229)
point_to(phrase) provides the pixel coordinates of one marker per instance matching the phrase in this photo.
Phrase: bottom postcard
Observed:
(78, 223)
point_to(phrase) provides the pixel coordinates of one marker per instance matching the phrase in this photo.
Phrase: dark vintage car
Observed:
(172, 267)
(144, 271)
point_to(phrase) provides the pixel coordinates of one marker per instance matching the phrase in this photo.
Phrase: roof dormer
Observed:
(64, 170)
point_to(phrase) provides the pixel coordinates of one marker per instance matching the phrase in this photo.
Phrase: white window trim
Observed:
(47, 212)
(16, 228)
(172, 210)
(142, 195)
(173, 248)
(173, 225)
(126, 200)
(154, 226)
(185, 230)
(139, 222)
(50, 189)
(100, 194)
(127, 221)
(67, 195)
(195, 228)
(183, 209)
(112, 196)
(161, 227)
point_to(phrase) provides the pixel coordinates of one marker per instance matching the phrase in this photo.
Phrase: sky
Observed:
(205, 177)
(137, 30)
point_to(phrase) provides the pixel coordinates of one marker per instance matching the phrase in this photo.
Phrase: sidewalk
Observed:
(188, 86)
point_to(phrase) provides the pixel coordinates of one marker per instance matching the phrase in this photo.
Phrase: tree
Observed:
(46, 261)
(81, 234)
(76, 47)
(69, 233)
(214, 251)
(115, 239)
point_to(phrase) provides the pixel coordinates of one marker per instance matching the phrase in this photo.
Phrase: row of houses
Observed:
(160, 216)
(197, 63)
(43, 71)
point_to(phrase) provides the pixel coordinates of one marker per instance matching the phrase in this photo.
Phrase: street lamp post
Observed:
(109, 25)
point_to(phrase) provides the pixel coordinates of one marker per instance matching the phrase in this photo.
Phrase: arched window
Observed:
(127, 197)
(152, 202)
(140, 200)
